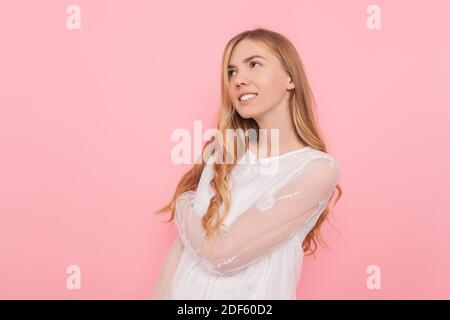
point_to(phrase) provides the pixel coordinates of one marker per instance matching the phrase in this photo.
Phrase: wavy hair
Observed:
(303, 113)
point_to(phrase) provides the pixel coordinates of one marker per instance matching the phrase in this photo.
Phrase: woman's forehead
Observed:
(248, 47)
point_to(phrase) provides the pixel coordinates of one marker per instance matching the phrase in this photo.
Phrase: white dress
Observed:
(257, 254)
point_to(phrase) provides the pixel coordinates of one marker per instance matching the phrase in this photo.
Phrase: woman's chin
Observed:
(246, 115)
(246, 112)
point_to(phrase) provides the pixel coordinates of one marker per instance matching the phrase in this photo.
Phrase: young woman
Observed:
(244, 226)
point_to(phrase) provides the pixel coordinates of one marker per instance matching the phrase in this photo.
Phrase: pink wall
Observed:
(86, 117)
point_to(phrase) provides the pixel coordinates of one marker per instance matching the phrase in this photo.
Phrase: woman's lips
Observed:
(246, 102)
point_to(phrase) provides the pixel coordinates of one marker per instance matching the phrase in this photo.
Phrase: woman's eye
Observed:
(252, 63)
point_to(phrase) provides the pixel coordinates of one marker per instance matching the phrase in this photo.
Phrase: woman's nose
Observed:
(240, 80)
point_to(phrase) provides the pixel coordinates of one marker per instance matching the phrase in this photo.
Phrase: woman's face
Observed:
(254, 69)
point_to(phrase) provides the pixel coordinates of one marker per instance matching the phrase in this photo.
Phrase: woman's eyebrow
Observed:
(247, 60)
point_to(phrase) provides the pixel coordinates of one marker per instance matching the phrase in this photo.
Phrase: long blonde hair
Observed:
(303, 112)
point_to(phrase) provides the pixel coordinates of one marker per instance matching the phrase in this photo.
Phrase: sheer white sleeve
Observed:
(265, 225)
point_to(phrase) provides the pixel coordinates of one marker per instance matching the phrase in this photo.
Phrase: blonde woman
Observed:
(245, 225)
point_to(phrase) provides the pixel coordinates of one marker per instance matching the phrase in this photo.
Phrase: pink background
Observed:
(86, 117)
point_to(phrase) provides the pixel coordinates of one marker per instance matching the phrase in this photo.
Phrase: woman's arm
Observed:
(168, 270)
(262, 227)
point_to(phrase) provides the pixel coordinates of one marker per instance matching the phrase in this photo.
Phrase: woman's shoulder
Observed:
(313, 155)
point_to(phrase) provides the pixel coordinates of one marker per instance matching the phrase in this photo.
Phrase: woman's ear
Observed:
(291, 85)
